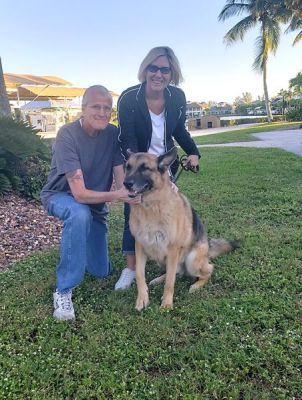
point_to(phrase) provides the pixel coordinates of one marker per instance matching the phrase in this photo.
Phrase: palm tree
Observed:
(286, 96)
(295, 7)
(4, 103)
(267, 14)
(296, 83)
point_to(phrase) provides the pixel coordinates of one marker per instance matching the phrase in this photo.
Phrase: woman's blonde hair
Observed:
(176, 75)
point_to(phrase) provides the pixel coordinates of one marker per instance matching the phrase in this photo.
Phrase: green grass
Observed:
(244, 134)
(237, 338)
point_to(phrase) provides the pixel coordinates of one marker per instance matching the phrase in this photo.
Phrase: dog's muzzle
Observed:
(134, 189)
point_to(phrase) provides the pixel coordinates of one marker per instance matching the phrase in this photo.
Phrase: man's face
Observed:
(97, 112)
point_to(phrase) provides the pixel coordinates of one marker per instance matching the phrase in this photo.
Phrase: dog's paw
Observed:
(167, 304)
(199, 284)
(157, 281)
(193, 288)
(142, 302)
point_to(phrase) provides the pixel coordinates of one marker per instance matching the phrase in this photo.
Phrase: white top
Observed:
(157, 145)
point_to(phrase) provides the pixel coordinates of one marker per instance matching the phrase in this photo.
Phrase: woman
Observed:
(151, 115)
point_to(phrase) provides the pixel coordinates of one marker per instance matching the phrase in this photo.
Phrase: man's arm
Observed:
(83, 195)
(118, 173)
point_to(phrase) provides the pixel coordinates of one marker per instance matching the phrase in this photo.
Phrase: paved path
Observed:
(211, 131)
(289, 140)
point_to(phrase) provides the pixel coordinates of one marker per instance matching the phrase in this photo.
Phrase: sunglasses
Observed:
(154, 68)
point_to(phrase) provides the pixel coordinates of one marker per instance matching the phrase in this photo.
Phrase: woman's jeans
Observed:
(83, 243)
(128, 239)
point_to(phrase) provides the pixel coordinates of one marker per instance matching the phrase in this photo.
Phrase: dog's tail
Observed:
(217, 247)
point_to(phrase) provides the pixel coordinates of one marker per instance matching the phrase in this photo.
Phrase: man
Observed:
(86, 156)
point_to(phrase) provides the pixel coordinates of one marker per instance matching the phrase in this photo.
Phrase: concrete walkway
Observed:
(289, 140)
(212, 131)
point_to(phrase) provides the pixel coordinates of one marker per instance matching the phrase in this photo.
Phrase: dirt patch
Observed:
(25, 227)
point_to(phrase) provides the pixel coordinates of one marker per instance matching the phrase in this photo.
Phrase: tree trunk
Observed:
(5, 110)
(266, 98)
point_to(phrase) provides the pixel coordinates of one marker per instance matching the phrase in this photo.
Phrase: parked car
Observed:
(259, 111)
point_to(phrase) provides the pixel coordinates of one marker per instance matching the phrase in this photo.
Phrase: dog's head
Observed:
(146, 172)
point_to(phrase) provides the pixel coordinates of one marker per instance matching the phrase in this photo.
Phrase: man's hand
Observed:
(135, 200)
(123, 195)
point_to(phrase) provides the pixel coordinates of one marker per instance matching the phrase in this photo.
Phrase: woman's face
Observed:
(158, 79)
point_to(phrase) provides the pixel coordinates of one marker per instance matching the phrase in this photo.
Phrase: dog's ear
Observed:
(129, 152)
(165, 160)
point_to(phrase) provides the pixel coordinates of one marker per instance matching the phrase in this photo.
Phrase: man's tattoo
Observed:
(74, 175)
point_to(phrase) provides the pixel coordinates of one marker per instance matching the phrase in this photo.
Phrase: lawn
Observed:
(237, 338)
(244, 134)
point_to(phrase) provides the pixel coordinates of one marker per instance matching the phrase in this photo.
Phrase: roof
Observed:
(29, 87)
(13, 80)
(44, 92)
(54, 91)
(193, 104)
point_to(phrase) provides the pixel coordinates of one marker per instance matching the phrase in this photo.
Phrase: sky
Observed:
(103, 42)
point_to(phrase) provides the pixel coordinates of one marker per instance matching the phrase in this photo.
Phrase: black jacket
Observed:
(135, 122)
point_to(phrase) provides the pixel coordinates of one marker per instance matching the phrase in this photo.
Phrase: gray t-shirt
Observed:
(95, 156)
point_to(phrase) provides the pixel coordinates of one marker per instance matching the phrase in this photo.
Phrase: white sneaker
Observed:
(125, 280)
(63, 306)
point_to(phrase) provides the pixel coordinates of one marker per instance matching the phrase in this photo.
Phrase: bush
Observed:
(33, 176)
(294, 114)
(20, 149)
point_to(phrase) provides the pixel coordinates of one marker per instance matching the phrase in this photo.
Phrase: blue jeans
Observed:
(128, 246)
(84, 244)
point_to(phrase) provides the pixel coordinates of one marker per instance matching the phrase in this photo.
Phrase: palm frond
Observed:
(240, 29)
(266, 42)
(297, 38)
(295, 23)
(233, 8)
(261, 55)
(272, 34)
(296, 82)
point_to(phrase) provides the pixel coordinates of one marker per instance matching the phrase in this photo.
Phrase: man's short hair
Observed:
(95, 88)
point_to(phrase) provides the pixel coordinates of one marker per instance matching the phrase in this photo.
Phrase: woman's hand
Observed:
(192, 162)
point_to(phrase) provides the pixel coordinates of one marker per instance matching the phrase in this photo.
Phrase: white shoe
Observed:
(125, 280)
(63, 306)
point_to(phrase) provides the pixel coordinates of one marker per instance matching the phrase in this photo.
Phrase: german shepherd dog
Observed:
(166, 228)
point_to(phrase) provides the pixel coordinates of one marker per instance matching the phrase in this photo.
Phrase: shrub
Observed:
(33, 176)
(20, 147)
(294, 114)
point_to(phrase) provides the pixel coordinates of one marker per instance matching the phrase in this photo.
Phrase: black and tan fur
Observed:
(166, 228)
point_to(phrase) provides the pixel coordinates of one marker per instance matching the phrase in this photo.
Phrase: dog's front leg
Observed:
(171, 267)
(142, 300)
